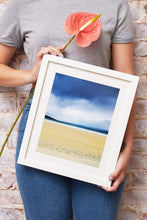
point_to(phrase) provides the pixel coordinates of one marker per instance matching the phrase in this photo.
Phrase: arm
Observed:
(10, 77)
(122, 55)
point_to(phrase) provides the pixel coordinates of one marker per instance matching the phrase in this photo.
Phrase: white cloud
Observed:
(79, 111)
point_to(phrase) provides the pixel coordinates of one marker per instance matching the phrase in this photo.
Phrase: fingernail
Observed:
(61, 54)
(47, 51)
(110, 178)
(55, 53)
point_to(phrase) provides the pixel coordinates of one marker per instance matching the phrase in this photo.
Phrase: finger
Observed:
(116, 183)
(117, 174)
(43, 50)
(112, 188)
(119, 168)
(60, 48)
(105, 188)
(55, 51)
(47, 50)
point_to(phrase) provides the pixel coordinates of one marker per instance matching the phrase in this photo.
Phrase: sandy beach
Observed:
(70, 143)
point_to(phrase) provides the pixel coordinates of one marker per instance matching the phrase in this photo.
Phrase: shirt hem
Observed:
(11, 44)
(119, 41)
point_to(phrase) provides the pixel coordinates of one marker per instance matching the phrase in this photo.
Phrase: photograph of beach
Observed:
(77, 120)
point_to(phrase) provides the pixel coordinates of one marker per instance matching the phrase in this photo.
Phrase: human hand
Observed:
(56, 51)
(119, 173)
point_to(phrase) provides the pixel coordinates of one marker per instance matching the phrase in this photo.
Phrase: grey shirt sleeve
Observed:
(9, 26)
(124, 28)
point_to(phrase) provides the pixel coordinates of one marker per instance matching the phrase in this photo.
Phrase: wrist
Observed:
(29, 77)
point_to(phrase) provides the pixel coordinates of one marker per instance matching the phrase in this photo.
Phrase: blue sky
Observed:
(82, 102)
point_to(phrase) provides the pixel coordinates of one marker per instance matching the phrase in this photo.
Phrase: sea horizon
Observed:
(86, 128)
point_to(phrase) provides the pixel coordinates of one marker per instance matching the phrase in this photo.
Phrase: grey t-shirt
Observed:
(39, 23)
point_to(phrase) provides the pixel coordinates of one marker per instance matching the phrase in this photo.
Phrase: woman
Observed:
(38, 24)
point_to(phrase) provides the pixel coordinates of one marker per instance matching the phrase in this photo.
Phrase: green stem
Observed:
(15, 123)
(68, 43)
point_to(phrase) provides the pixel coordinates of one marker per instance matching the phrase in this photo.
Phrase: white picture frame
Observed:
(82, 160)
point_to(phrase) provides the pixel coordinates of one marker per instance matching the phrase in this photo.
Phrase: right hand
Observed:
(56, 51)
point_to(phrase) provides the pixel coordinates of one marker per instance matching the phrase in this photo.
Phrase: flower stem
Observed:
(68, 43)
(15, 123)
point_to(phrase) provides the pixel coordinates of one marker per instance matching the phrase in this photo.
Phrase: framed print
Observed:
(77, 119)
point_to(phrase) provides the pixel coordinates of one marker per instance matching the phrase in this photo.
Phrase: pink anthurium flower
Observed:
(86, 26)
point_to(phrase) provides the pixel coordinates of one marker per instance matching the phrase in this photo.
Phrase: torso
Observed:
(47, 28)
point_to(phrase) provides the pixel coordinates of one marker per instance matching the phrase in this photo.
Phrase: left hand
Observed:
(119, 174)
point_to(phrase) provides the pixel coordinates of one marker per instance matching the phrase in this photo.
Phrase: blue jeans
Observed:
(47, 196)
